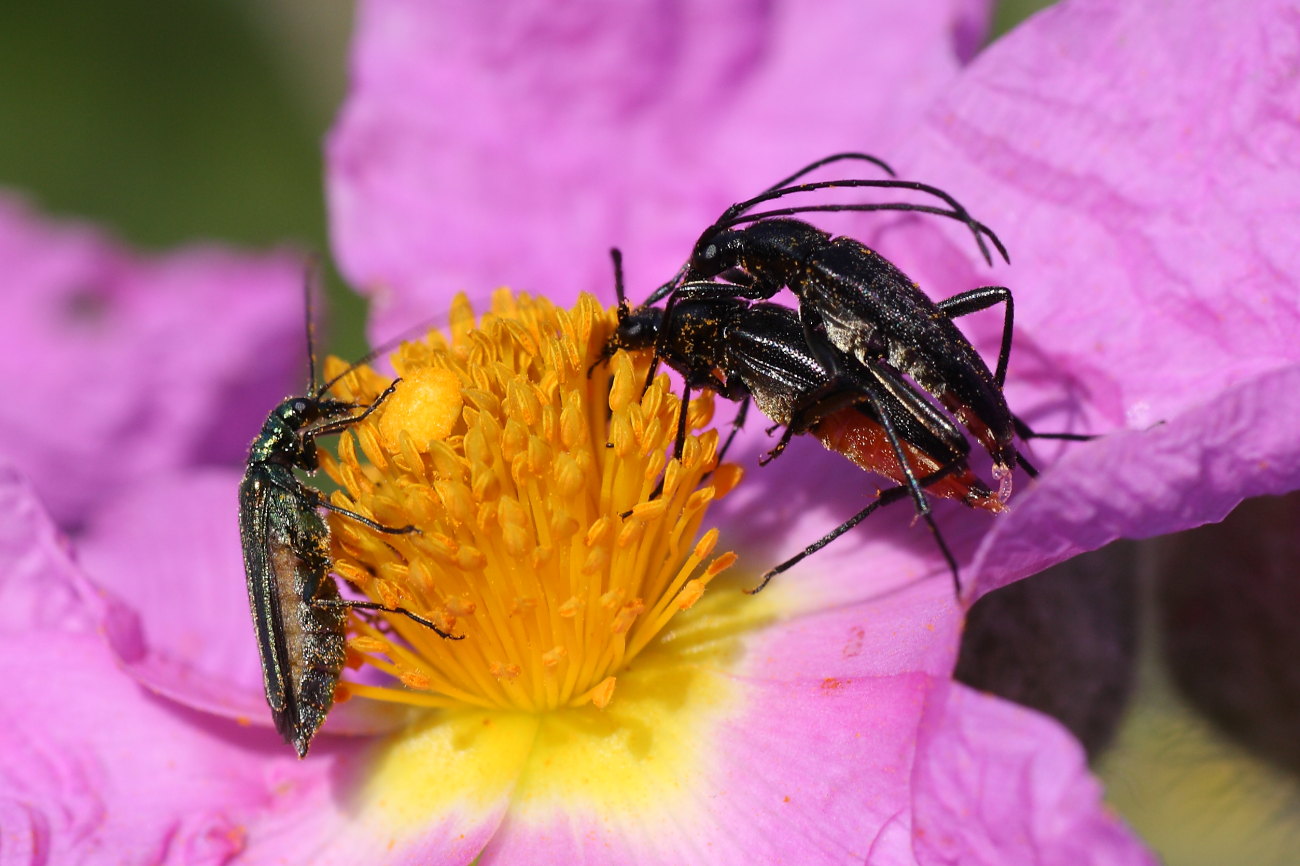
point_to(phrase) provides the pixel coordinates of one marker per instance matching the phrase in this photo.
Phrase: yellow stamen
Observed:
(543, 537)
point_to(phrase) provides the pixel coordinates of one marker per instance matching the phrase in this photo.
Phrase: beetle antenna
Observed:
(311, 273)
(729, 216)
(827, 160)
(617, 256)
(739, 213)
(386, 346)
(669, 287)
(978, 229)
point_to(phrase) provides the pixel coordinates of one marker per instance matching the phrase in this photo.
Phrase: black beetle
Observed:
(757, 352)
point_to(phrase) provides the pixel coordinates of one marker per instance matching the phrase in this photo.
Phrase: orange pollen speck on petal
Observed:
(555, 534)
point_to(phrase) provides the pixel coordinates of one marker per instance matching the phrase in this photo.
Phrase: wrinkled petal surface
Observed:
(40, 586)
(166, 556)
(482, 146)
(172, 359)
(1140, 166)
(998, 784)
(1191, 471)
(96, 770)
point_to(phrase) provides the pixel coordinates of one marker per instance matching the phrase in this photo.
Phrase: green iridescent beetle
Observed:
(299, 616)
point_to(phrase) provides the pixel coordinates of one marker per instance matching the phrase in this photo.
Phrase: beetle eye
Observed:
(711, 251)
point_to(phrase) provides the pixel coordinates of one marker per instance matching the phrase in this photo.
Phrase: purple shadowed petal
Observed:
(173, 360)
(167, 556)
(1141, 167)
(1142, 162)
(1191, 471)
(997, 784)
(482, 146)
(40, 586)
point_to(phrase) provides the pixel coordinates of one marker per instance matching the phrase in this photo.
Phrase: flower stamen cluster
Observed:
(541, 535)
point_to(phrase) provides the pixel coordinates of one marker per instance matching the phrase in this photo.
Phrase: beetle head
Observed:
(637, 329)
(716, 251)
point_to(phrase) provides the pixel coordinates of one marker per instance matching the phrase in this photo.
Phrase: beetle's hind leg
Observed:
(888, 497)
(1024, 431)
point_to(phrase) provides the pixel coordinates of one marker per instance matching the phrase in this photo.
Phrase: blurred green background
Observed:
(169, 123)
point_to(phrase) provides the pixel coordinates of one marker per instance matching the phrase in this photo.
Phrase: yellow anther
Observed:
(426, 406)
(552, 657)
(627, 615)
(705, 545)
(719, 565)
(603, 693)
(506, 672)
(413, 679)
(691, 593)
(367, 644)
(461, 605)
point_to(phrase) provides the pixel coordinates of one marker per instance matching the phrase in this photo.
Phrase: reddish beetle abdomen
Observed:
(862, 440)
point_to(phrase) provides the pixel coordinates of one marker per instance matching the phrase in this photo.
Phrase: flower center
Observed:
(542, 536)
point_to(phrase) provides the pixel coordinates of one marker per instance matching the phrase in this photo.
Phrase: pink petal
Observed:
(173, 360)
(1191, 471)
(1152, 248)
(819, 490)
(178, 616)
(177, 612)
(97, 769)
(813, 753)
(481, 147)
(40, 587)
(1136, 162)
(914, 628)
(94, 768)
(808, 772)
(997, 784)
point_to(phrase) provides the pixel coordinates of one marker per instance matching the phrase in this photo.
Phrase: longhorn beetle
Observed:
(298, 613)
(860, 315)
(756, 352)
(853, 300)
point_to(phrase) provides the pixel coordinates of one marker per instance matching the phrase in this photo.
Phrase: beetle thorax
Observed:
(281, 440)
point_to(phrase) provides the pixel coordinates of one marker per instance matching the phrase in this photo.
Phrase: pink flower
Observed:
(1145, 196)
(101, 348)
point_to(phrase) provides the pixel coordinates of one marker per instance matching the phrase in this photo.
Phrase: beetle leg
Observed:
(344, 423)
(892, 495)
(374, 605)
(318, 500)
(680, 442)
(736, 423)
(981, 299)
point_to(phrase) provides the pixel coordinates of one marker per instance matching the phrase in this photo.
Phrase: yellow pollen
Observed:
(545, 536)
(425, 411)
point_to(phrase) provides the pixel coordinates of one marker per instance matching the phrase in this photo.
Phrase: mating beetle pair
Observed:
(868, 364)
